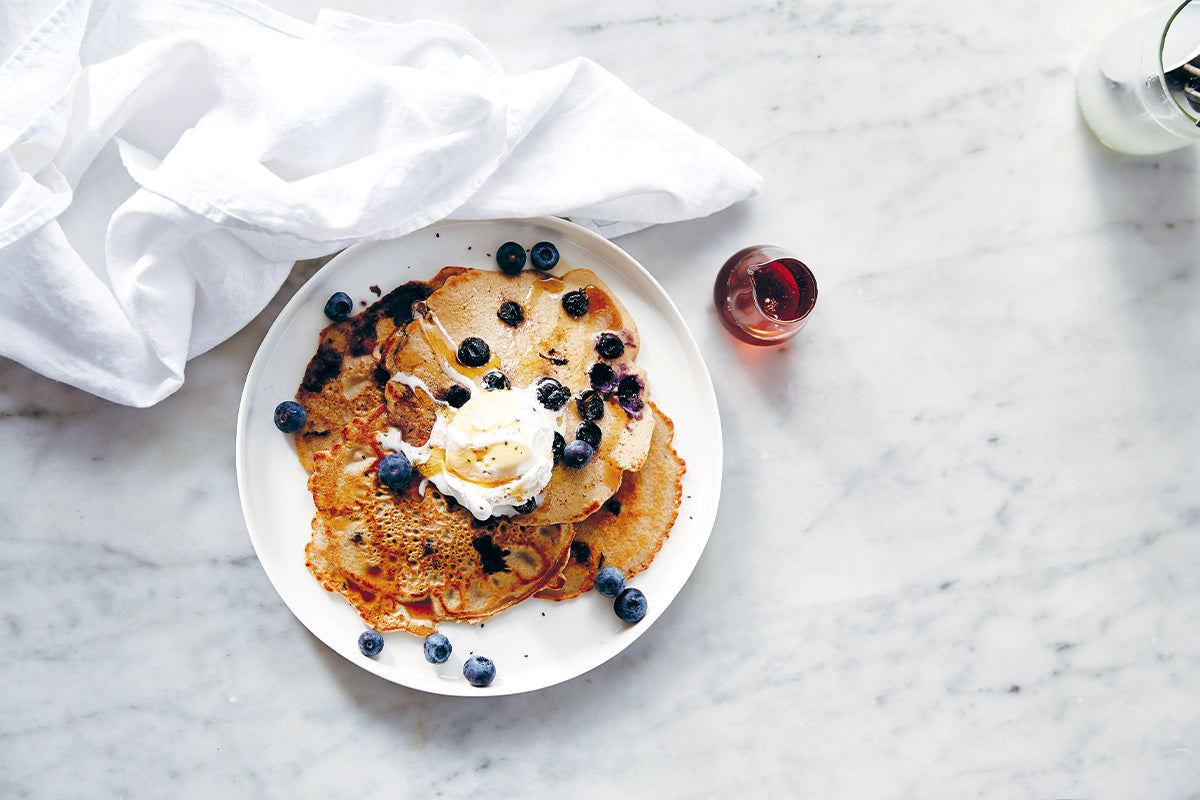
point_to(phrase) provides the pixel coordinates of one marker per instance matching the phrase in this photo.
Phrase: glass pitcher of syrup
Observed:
(764, 294)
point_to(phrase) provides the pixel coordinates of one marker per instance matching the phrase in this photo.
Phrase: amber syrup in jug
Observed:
(764, 294)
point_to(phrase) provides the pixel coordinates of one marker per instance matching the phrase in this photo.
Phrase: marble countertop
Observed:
(958, 541)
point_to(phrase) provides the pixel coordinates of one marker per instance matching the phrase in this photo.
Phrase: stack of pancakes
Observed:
(410, 558)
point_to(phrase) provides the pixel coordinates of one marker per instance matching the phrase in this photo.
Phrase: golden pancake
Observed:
(548, 343)
(629, 530)
(343, 379)
(408, 560)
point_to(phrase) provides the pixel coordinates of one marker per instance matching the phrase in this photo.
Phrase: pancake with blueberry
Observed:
(566, 339)
(478, 439)
(343, 379)
(408, 558)
(630, 528)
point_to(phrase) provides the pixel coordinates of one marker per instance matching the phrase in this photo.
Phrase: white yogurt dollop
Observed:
(491, 455)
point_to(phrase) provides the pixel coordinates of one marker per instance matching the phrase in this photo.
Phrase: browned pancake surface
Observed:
(629, 530)
(343, 380)
(407, 561)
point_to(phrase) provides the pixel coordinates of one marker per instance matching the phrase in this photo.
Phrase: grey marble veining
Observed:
(957, 550)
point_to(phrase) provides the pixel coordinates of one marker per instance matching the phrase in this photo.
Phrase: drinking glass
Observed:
(1136, 85)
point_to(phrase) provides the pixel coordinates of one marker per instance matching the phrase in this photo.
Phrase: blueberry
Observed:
(290, 416)
(543, 256)
(589, 432)
(338, 306)
(575, 303)
(437, 648)
(590, 405)
(527, 507)
(609, 346)
(630, 386)
(556, 449)
(510, 257)
(601, 374)
(629, 394)
(473, 352)
(479, 671)
(552, 394)
(577, 454)
(633, 406)
(457, 396)
(630, 605)
(370, 643)
(610, 581)
(496, 380)
(394, 471)
(511, 313)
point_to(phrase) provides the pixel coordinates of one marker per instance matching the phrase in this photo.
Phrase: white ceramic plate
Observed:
(537, 643)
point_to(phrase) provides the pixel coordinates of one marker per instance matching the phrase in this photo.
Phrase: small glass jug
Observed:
(764, 294)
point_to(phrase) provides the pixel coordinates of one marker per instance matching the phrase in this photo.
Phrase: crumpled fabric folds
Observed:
(163, 163)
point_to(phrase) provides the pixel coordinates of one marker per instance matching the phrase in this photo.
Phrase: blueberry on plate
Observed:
(609, 346)
(588, 431)
(338, 306)
(630, 605)
(556, 448)
(496, 380)
(437, 648)
(575, 303)
(290, 416)
(610, 581)
(457, 396)
(527, 507)
(629, 394)
(543, 256)
(479, 671)
(510, 257)
(577, 454)
(473, 352)
(394, 471)
(511, 313)
(370, 643)
(628, 387)
(552, 394)
(601, 375)
(590, 405)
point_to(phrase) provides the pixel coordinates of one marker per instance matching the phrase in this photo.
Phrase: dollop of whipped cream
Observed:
(491, 455)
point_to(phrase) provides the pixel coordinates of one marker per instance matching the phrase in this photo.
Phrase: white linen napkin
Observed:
(164, 162)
